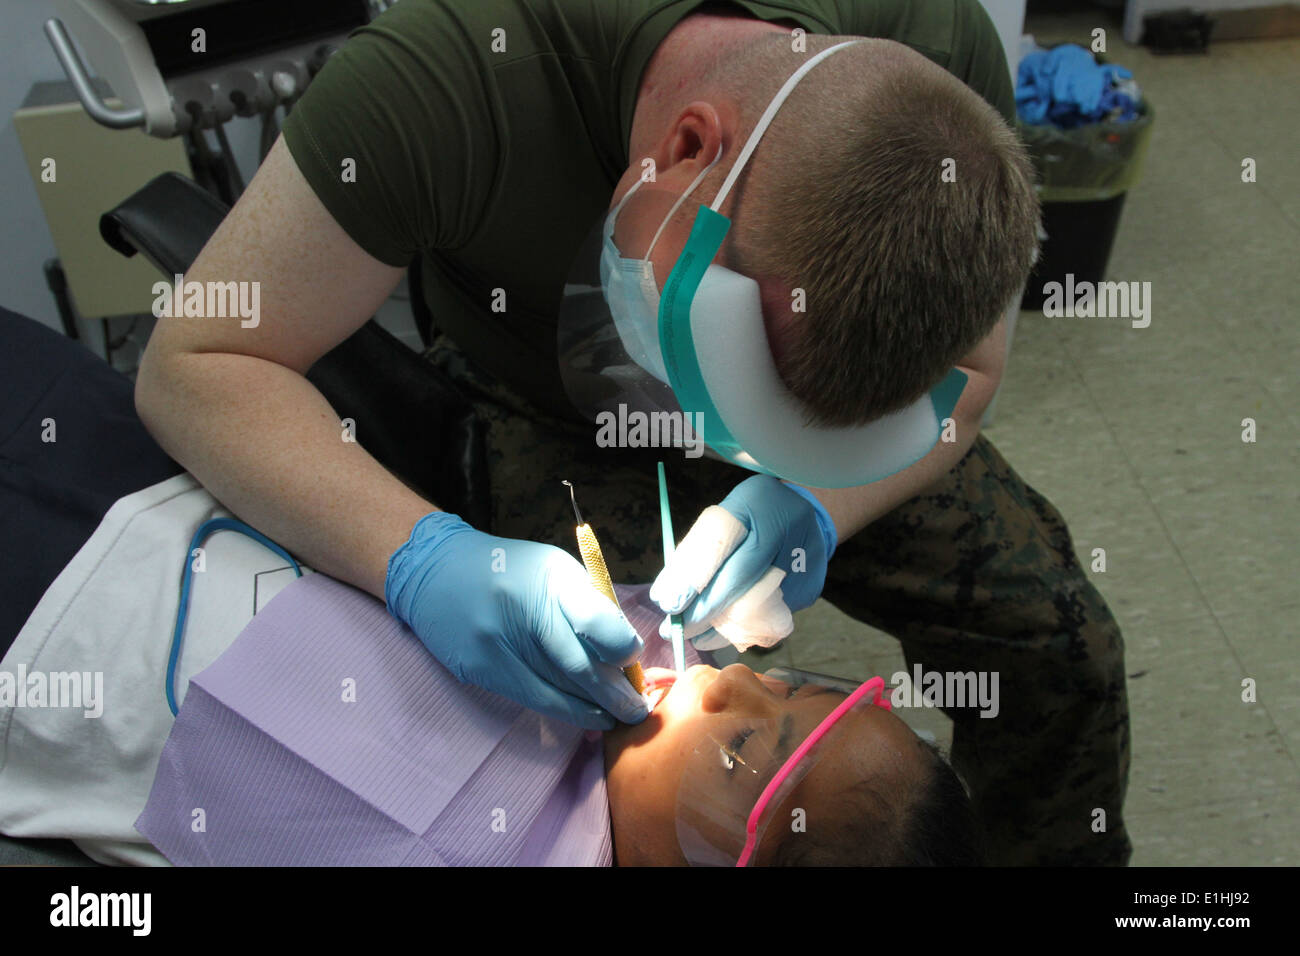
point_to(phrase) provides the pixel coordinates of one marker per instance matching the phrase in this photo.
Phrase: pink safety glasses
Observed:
(790, 770)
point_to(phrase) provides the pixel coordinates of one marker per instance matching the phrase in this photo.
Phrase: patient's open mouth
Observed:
(656, 677)
(658, 682)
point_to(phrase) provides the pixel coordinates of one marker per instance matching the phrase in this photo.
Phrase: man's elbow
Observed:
(151, 389)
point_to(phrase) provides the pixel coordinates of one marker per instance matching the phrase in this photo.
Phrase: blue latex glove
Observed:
(1065, 86)
(518, 618)
(778, 518)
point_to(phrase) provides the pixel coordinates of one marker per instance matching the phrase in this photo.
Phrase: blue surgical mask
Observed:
(631, 289)
(633, 296)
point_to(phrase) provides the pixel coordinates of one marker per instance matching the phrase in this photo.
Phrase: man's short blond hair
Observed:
(846, 198)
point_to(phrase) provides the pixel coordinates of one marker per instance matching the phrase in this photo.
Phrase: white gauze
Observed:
(760, 617)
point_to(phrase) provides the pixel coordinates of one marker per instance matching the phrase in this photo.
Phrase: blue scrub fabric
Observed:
(53, 494)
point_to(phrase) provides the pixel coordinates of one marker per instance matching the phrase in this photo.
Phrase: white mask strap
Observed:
(626, 196)
(690, 189)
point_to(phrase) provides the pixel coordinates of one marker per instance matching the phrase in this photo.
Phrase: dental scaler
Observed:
(594, 562)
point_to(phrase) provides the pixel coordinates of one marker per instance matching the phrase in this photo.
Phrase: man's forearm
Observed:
(265, 442)
(852, 509)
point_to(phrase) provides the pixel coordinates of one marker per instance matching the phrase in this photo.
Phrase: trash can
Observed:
(1084, 174)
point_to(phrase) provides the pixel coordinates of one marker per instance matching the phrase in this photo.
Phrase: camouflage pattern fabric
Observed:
(977, 573)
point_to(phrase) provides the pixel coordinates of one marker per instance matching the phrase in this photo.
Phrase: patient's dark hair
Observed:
(933, 825)
(942, 828)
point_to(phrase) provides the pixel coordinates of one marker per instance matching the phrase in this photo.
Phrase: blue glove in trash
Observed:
(1067, 87)
(785, 527)
(518, 618)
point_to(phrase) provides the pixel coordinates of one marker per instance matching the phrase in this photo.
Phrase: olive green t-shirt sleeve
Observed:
(402, 103)
(979, 59)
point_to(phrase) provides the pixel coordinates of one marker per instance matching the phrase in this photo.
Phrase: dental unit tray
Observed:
(258, 55)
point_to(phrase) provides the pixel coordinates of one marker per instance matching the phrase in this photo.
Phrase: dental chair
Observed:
(408, 415)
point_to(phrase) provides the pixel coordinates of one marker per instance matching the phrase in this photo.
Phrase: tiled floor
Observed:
(1135, 435)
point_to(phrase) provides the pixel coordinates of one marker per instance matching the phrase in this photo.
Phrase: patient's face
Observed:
(644, 763)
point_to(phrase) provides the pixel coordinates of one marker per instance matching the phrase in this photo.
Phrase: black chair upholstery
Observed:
(408, 415)
(168, 221)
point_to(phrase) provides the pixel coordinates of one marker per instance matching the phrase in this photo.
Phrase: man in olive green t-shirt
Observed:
(479, 142)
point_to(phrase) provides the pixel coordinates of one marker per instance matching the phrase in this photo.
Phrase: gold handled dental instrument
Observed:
(594, 562)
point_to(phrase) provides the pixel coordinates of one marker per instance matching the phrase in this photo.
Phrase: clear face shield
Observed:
(610, 354)
(656, 335)
(742, 771)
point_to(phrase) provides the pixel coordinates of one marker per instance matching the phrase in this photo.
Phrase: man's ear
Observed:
(696, 135)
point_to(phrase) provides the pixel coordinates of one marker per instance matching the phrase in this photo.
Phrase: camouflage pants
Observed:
(977, 573)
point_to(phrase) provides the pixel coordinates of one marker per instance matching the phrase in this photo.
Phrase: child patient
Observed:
(876, 794)
(327, 735)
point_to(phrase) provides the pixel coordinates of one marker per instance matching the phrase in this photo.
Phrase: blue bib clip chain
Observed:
(206, 529)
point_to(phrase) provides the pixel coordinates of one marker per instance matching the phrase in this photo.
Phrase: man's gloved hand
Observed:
(518, 618)
(776, 525)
